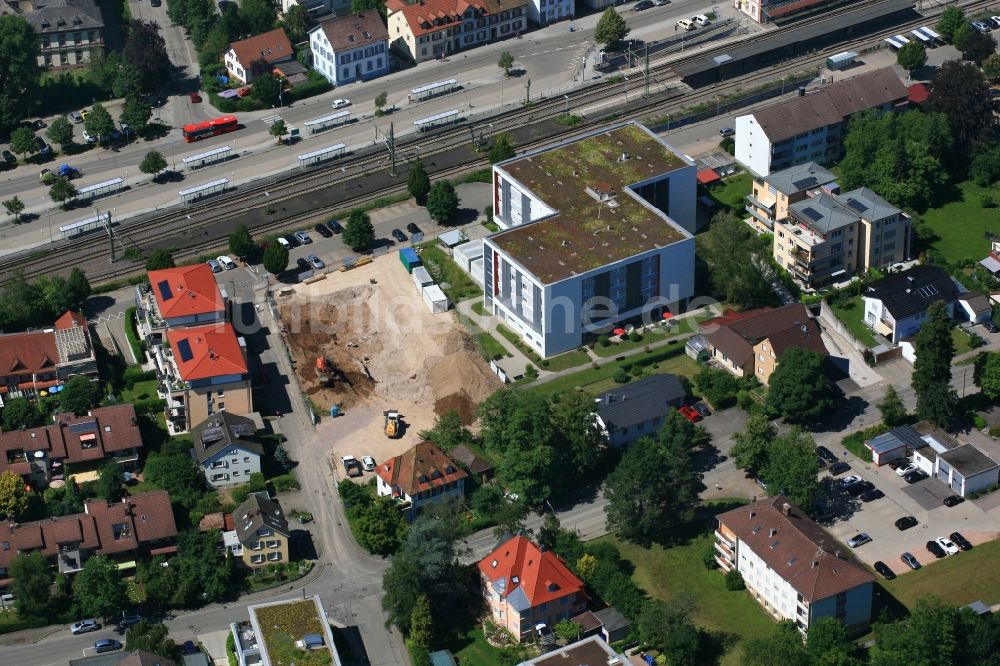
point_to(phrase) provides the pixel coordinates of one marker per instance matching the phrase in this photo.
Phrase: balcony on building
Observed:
(150, 324)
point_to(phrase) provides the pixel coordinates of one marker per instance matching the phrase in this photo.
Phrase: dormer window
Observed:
(423, 478)
(367, 35)
(350, 38)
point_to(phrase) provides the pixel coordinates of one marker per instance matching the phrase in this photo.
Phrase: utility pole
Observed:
(527, 92)
(647, 70)
(392, 150)
(111, 236)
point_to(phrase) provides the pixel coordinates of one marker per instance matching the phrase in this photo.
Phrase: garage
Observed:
(886, 448)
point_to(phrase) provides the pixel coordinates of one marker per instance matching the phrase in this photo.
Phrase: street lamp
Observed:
(566, 97)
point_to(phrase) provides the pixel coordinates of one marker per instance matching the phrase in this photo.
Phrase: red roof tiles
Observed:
(521, 564)
(421, 15)
(273, 46)
(214, 351)
(186, 291)
(419, 469)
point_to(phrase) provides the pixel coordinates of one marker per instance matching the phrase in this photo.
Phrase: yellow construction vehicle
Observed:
(392, 429)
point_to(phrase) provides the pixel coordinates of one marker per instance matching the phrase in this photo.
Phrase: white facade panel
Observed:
(753, 148)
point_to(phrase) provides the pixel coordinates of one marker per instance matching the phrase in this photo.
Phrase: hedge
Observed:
(138, 346)
(855, 442)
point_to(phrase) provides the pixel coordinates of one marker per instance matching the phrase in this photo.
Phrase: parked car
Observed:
(884, 569)
(284, 242)
(642, 4)
(991, 326)
(302, 264)
(839, 468)
(859, 540)
(129, 620)
(960, 541)
(980, 27)
(701, 20)
(214, 265)
(303, 237)
(661, 3)
(155, 3)
(726, 131)
(9, 158)
(352, 466)
(906, 469)
(315, 262)
(368, 463)
(413, 228)
(335, 226)
(910, 560)
(995, 20)
(859, 489)
(88, 137)
(323, 231)
(820, 463)
(399, 235)
(84, 626)
(292, 240)
(905, 523)
(897, 463)
(341, 103)
(195, 97)
(947, 545)
(850, 480)
(935, 549)
(690, 413)
(106, 645)
(826, 454)
(41, 147)
(871, 495)
(702, 409)
(915, 476)
(75, 117)
(227, 263)
(953, 500)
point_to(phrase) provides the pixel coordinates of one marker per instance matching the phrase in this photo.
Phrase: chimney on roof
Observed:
(813, 564)
(771, 532)
(786, 509)
(752, 514)
(836, 553)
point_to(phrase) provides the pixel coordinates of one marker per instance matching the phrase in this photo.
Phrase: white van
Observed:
(686, 24)
(701, 20)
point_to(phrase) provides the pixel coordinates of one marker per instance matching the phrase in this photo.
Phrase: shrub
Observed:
(734, 581)
(603, 341)
(979, 422)
(530, 371)
(986, 201)
(994, 430)
(634, 337)
(285, 482)
(975, 340)
(719, 387)
(708, 557)
(620, 376)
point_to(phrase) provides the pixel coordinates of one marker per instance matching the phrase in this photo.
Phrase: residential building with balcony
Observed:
(202, 371)
(40, 455)
(138, 526)
(772, 195)
(224, 448)
(811, 127)
(70, 32)
(261, 533)
(792, 567)
(425, 29)
(177, 297)
(353, 47)
(896, 305)
(594, 231)
(419, 476)
(753, 345)
(253, 56)
(525, 586)
(36, 361)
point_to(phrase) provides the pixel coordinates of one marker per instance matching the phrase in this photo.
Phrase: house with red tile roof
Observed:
(525, 586)
(139, 525)
(176, 297)
(204, 371)
(256, 55)
(419, 476)
(425, 29)
(39, 455)
(794, 568)
(36, 361)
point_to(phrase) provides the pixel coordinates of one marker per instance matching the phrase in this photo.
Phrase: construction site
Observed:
(363, 340)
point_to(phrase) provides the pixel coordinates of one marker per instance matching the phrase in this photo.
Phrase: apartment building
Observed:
(203, 371)
(771, 196)
(420, 475)
(138, 526)
(525, 586)
(828, 237)
(544, 12)
(224, 448)
(811, 127)
(253, 56)
(792, 567)
(424, 29)
(594, 231)
(40, 455)
(353, 47)
(264, 639)
(70, 32)
(36, 361)
(261, 533)
(177, 297)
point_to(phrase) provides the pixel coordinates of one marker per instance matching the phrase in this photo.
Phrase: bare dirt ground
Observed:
(389, 352)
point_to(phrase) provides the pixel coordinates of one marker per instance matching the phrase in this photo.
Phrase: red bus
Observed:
(214, 127)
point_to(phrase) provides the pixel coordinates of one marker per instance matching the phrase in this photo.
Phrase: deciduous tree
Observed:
(61, 190)
(442, 202)
(152, 164)
(991, 67)
(782, 646)
(381, 527)
(611, 28)
(421, 623)
(517, 429)
(99, 589)
(503, 149)
(60, 131)
(912, 56)
(266, 88)
(136, 114)
(278, 129)
(750, 452)
(203, 577)
(78, 287)
(241, 242)
(13, 496)
(960, 38)
(147, 52)
(799, 389)
(14, 206)
(791, 467)
(109, 484)
(506, 62)
(19, 69)
(152, 638)
(935, 350)
(381, 100)
(960, 92)
(951, 18)
(22, 139)
(98, 122)
(978, 47)
(580, 444)
(738, 262)
(159, 259)
(172, 469)
(297, 23)
(892, 409)
(275, 258)
(20, 413)
(127, 81)
(359, 234)
(418, 183)
(258, 15)
(79, 395)
(32, 584)
(985, 167)
(828, 643)
(667, 626)
(447, 432)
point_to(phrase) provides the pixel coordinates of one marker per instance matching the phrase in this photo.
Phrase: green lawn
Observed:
(666, 359)
(681, 364)
(732, 190)
(665, 572)
(140, 391)
(959, 580)
(685, 325)
(445, 271)
(472, 649)
(570, 359)
(959, 226)
(961, 340)
(852, 315)
(480, 309)
(491, 346)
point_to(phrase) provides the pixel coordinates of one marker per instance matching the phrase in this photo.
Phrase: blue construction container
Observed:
(408, 257)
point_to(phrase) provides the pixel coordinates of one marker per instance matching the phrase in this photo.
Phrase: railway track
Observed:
(262, 196)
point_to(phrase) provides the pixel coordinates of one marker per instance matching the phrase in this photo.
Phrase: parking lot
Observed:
(922, 500)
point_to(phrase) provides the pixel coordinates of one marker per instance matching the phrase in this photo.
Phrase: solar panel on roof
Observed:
(856, 205)
(812, 214)
(164, 287)
(243, 429)
(184, 349)
(209, 435)
(927, 291)
(86, 426)
(805, 183)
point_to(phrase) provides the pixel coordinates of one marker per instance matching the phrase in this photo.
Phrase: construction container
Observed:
(435, 299)
(408, 257)
(421, 278)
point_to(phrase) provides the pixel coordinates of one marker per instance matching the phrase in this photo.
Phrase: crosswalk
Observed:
(270, 120)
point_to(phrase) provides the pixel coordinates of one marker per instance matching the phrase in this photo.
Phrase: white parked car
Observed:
(906, 469)
(284, 243)
(368, 463)
(226, 262)
(701, 20)
(947, 545)
(88, 138)
(850, 480)
(341, 103)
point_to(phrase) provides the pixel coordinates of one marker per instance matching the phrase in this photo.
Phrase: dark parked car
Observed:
(839, 468)
(106, 645)
(910, 560)
(726, 131)
(905, 523)
(323, 231)
(413, 228)
(820, 463)
(9, 158)
(335, 226)
(914, 476)
(883, 569)
(860, 488)
(991, 326)
(960, 541)
(129, 620)
(952, 500)
(41, 147)
(935, 549)
(702, 409)
(303, 264)
(826, 454)
(399, 235)
(871, 495)
(292, 240)
(643, 4)
(155, 3)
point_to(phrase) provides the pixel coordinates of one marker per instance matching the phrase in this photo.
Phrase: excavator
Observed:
(324, 370)
(392, 429)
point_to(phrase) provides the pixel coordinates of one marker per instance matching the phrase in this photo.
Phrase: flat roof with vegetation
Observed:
(587, 232)
(281, 624)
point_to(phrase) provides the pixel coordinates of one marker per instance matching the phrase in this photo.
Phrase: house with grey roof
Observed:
(812, 126)
(70, 32)
(639, 408)
(225, 450)
(261, 535)
(896, 305)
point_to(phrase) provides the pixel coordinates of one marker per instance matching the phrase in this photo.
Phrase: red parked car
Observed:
(690, 413)
(195, 97)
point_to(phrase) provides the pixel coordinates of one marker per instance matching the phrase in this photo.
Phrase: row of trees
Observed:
(39, 302)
